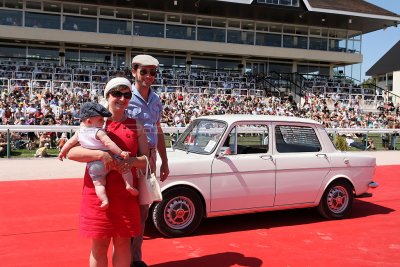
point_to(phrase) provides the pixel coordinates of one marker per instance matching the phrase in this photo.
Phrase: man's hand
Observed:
(164, 171)
(61, 156)
(124, 166)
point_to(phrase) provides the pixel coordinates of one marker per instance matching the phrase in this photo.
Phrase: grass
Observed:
(25, 153)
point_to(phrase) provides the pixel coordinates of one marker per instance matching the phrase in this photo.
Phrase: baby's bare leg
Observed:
(128, 178)
(99, 187)
(98, 174)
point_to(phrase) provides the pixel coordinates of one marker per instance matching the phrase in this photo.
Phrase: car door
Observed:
(244, 177)
(301, 164)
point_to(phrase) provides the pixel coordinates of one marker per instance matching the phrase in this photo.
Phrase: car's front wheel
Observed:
(179, 213)
(336, 201)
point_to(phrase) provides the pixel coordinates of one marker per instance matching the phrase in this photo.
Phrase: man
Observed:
(145, 106)
(351, 143)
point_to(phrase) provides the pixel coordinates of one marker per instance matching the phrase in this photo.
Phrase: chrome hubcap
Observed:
(179, 212)
(338, 199)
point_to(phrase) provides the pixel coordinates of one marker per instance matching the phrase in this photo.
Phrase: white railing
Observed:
(8, 129)
(167, 130)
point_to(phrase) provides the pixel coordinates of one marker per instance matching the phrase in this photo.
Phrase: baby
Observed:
(91, 135)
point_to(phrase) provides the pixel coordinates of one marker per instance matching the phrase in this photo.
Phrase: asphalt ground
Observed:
(52, 168)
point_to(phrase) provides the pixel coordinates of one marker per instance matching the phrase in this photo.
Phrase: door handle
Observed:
(266, 157)
(321, 156)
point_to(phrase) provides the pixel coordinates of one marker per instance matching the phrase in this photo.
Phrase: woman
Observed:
(121, 220)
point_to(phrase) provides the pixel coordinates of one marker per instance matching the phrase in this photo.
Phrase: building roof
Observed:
(364, 16)
(356, 6)
(388, 63)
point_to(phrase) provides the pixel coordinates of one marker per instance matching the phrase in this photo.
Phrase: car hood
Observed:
(182, 163)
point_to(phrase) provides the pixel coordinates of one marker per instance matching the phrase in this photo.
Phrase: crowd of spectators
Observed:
(49, 105)
(180, 109)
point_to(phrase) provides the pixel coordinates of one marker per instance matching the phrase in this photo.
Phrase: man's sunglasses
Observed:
(118, 94)
(152, 72)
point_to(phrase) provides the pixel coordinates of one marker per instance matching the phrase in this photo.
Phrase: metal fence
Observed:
(175, 131)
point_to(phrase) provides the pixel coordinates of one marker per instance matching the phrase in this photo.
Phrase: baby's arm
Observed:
(68, 145)
(103, 137)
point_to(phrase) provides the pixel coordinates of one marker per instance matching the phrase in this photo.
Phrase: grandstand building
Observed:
(386, 71)
(322, 37)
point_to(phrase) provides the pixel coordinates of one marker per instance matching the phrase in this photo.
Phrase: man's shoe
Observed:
(138, 264)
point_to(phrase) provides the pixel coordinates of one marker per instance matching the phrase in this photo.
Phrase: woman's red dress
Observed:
(122, 218)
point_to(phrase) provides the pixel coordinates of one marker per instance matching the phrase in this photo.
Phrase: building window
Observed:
(267, 39)
(43, 53)
(291, 41)
(12, 51)
(280, 2)
(115, 26)
(240, 37)
(211, 35)
(85, 24)
(204, 63)
(181, 32)
(42, 20)
(148, 29)
(318, 43)
(10, 17)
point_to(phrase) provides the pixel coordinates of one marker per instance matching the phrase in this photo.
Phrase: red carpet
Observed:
(39, 220)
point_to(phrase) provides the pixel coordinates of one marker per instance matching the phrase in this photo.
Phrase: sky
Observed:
(376, 44)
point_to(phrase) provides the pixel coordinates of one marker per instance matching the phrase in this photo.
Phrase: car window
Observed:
(291, 139)
(247, 139)
(202, 136)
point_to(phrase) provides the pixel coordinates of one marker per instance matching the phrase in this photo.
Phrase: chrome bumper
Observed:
(368, 194)
(373, 185)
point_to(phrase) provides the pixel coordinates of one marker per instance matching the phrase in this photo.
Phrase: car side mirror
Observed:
(223, 152)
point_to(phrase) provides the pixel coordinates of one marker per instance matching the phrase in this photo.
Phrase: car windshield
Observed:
(202, 136)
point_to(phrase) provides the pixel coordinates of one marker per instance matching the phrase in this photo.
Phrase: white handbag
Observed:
(149, 189)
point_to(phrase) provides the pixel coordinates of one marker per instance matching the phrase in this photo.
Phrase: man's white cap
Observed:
(145, 60)
(115, 82)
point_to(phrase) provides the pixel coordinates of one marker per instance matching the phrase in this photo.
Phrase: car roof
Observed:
(231, 118)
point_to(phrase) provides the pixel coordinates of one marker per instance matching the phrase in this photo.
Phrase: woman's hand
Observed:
(123, 166)
(81, 154)
(108, 161)
(126, 165)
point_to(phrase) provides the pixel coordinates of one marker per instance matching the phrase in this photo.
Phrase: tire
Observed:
(336, 201)
(179, 213)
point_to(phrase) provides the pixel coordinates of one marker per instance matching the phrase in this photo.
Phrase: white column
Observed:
(61, 51)
(294, 66)
(331, 71)
(128, 57)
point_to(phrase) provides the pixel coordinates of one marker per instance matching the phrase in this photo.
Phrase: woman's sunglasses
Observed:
(152, 72)
(118, 94)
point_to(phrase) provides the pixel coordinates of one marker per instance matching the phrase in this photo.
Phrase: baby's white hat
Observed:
(114, 82)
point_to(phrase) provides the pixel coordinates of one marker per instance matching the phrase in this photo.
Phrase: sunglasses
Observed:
(118, 94)
(152, 72)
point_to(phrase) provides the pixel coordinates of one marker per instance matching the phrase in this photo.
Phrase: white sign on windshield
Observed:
(209, 146)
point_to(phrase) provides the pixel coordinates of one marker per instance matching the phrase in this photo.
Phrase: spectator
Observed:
(61, 142)
(394, 136)
(42, 152)
(352, 143)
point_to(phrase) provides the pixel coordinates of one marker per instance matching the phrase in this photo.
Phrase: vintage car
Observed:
(234, 164)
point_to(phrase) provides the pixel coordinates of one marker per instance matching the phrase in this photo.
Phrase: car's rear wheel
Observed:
(179, 213)
(336, 201)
